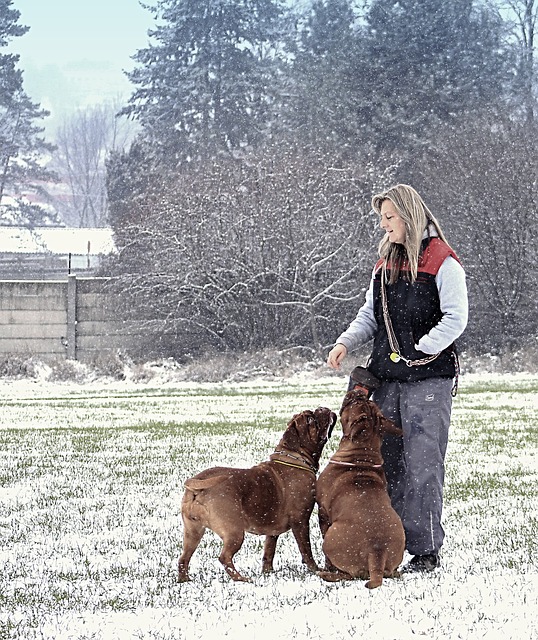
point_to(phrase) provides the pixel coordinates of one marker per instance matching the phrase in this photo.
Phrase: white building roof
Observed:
(56, 240)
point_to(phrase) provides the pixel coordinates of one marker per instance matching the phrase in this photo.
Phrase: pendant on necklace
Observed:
(395, 357)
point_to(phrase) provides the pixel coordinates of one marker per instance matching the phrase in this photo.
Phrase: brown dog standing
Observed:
(267, 499)
(363, 536)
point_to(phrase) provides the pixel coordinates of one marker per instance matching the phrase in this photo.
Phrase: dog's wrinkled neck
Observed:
(354, 458)
(354, 454)
(360, 467)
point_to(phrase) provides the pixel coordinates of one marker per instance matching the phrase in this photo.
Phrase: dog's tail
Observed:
(376, 568)
(196, 484)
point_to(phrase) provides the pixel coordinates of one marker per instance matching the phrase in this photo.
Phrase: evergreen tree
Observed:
(21, 143)
(428, 61)
(130, 177)
(205, 85)
(321, 105)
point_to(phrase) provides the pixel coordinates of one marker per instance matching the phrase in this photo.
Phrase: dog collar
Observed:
(367, 465)
(296, 466)
(304, 463)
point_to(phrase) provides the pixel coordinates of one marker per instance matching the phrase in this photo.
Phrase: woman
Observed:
(416, 307)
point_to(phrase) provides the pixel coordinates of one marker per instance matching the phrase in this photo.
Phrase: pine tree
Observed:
(428, 61)
(205, 84)
(321, 105)
(21, 143)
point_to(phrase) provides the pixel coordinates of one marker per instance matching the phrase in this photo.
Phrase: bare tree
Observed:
(482, 182)
(524, 15)
(83, 144)
(272, 250)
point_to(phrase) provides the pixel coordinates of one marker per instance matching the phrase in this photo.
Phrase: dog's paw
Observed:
(328, 576)
(373, 584)
(333, 576)
(237, 577)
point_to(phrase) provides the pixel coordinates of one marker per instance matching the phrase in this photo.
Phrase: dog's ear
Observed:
(388, 426)
(291, 438)
(385, 425)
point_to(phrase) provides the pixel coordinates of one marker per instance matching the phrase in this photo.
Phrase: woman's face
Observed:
(391, 223)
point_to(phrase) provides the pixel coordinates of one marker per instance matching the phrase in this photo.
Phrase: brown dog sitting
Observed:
(363, 536)
(267, 499)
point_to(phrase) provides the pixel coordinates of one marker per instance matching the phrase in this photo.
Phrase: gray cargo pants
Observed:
(414, 464)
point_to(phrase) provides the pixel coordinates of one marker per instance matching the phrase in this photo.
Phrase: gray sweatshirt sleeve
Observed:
(452, 288)
(364, 326)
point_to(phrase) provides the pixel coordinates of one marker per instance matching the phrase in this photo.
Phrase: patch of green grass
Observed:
(502, 384)
(486, 485)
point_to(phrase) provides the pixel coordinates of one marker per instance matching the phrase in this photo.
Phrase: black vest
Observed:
(414, 309)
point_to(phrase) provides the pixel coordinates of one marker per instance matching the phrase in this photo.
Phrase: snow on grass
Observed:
(90, 529)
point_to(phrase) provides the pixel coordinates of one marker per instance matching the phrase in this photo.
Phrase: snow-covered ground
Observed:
(90, 532)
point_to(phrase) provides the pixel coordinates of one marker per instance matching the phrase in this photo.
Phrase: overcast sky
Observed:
(76, 50)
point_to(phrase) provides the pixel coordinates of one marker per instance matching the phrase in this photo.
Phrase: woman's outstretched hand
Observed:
(336, 355)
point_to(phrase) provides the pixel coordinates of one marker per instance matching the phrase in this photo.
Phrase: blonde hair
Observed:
(416, 217)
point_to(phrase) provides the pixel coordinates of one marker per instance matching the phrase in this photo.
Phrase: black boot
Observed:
(422, 564)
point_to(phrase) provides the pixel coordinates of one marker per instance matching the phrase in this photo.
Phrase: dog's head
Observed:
(308, 432)
(363, 421)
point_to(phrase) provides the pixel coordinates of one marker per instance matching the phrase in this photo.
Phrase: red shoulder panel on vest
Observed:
(434, 255)
(431, 260)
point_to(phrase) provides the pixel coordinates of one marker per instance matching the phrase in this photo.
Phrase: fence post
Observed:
(72, 317)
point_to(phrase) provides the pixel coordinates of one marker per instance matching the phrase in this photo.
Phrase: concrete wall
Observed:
(74, 318)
